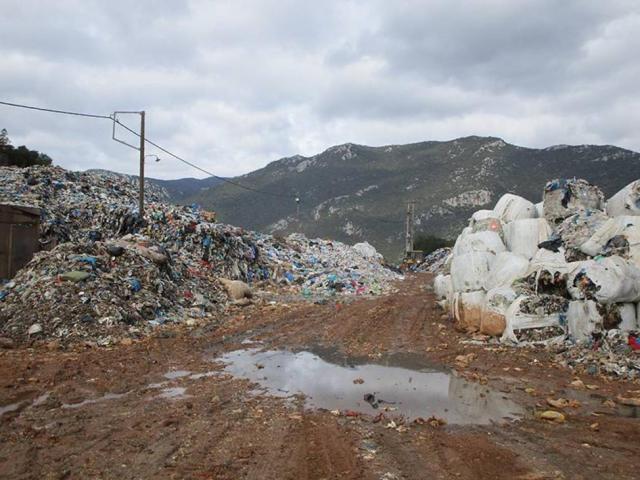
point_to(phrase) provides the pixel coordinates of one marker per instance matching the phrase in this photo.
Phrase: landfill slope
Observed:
(354, 192)
(105, 273)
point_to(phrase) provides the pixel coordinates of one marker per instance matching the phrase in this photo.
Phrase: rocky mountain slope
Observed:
(354, 192)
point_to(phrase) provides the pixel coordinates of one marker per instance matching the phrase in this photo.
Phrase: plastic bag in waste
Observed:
(442, 286)
(617, 236)
(497, 301)
(583, 319)
(478, 242)
(533, 312)
(626, 201)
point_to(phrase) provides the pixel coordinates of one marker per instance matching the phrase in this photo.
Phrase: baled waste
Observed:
(104, 272)
(564, 272)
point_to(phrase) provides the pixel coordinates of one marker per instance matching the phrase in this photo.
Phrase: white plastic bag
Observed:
(482, 215)
(626, 226)
(513, 207)
(523, 236)
(469, 271)
(606, 280)
(583, 319)
(507, 267)
(496, 303)
(540, 209)
(626, 201)
(478, 242)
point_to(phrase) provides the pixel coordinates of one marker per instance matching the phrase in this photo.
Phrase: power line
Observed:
(64, 112)
(112, 117)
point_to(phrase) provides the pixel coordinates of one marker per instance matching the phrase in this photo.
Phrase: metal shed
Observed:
(19, 232)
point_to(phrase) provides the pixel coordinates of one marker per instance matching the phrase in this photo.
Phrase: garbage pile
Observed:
(434, 262)
(104, 272)
(563, 272)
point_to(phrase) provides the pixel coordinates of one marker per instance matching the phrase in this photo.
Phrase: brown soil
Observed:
(220, 429)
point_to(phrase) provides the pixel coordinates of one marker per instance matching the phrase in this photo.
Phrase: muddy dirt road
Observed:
(168, 407)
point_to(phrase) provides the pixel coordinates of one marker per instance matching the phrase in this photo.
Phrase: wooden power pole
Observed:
(141, 199)
(409, 229)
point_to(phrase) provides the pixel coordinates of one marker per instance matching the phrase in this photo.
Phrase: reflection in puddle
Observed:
(89, 401)
(410, 393)
(176, 374)
(173, 393)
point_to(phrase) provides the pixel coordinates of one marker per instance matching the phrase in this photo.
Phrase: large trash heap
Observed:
(564, 273)
(104, 273)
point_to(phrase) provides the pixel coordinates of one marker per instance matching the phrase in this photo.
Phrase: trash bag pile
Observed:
(434, 262)
(565, 271)
(105, 272)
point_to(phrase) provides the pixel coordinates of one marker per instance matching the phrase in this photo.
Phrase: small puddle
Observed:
(172, 375)
(406, 392)
(174, 393)
(105, 397)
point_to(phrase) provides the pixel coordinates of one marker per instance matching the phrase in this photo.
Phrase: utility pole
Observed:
(141, 200)
(409, 229)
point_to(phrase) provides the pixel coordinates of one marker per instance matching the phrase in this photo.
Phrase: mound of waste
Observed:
(105, 273)
(563, 272)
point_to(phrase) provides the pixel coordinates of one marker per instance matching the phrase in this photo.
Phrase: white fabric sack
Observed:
(478, 242)
(507, 267)
(583, 319)
(513, 207)
(628, 316)
(442, 286)
(517, 320)
(368, 251)
(523, 236)
(626, 201)
(468, 271)
(628, 226)
(540, 209)
(482, 215)
(616, 280)
(468, 310)
(496, 303)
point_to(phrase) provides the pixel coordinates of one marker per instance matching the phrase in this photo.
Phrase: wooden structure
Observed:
(19, 234)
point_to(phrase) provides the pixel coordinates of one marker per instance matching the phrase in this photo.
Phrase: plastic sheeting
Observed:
(507, 267)
(513, 207)
(523, 236)
(606, 280)
(497, 301)
(468, 271)
(619, 236)
(583, 318)
(478, 242)
(626, 201)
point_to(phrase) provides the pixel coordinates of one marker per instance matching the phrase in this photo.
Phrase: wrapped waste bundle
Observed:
(468, 271)
(523, 236)
(606, 280)
(577, 229)
(565, 197)
(617, 236)
(506, 269)
(478, 242)
(542, 313)
(442, 286)
(513, 207)
(583, 319)
(497, 301)
(467, 309)
(626, 201)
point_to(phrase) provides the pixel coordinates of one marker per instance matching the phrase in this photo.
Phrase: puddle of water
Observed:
(174, 393)
(198, 376)
(11, 407)
(412, 393)
(176, 374)
(89, 401)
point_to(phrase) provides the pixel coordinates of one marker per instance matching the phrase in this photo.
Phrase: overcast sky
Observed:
(233, 85)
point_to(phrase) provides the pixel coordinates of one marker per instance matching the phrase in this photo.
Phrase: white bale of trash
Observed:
(482, 215)
(626, 201)
(539, 209)
(513, 207)
(469, 270)
(618, 235)
(516, 318)
(507, 267)
(578, 228)
(523, 236)
(565, 197)
(606, 280)
(583, 319)
(628, 317)
(368, 251)
(442, 286)
(467, 309)
(478, 242)
(497, 301)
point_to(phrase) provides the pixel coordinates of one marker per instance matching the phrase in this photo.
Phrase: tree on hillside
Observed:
(21, 156)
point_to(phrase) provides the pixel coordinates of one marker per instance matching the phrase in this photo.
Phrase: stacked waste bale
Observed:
(565, 269)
